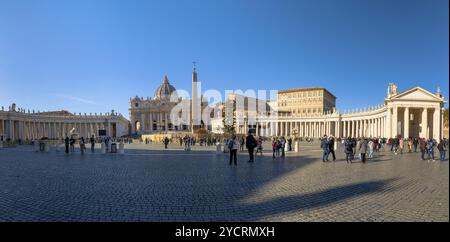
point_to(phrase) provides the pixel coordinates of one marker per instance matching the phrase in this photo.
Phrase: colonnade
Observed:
(387, 122)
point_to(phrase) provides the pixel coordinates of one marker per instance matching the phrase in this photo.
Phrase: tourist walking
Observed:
(349, 154)
(233, 145)
(66, 142)
(82, 147)
(401, 144)
(72, 144)
(166, 142)
(290, 144)
(250, 143)
(283, 146)
(395, 144)
(324, 144)
(259, 147)
(430, 150)
(442, 149)
(331, 144)
(92, 143)
(415, 144)
(371, 146)
(363, 150)
(423, 148)
(241, 144)
(275, 148)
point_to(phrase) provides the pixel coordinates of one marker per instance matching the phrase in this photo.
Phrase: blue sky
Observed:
(93, 55)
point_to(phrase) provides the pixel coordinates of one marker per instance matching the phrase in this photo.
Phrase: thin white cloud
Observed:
(77, 99)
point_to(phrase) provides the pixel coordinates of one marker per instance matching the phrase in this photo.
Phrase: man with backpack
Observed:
(250, 143)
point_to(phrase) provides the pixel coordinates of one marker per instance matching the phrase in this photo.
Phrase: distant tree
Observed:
(228, 122)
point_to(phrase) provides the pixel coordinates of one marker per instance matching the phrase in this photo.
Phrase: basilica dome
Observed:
(164, 90)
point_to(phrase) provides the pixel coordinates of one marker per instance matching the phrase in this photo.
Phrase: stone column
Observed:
(394, 122)
(337, 127)
(436, 124)
(388, 124)
(442, 123)
(344, 128)
(424, 124)
(373, 127)
(352, 128)
(142, 128)
(166, 123)
(272, 129)
(406, 123)
(151, 121)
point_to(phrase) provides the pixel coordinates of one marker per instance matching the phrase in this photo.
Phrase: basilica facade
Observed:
(155, 115)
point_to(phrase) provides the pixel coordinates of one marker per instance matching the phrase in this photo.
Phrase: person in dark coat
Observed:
(66, 142)
(92, 143)
(331, 147)
(290, 144)
(250, 143)
(423, 148)
(363, 150)
(349, 144)
(166, 142)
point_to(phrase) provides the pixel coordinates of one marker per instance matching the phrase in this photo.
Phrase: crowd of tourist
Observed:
(353, 148)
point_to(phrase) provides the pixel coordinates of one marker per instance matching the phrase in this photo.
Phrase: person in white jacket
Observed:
(233, 145)
(371, 147)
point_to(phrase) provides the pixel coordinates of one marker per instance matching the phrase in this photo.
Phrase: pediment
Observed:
(416, 94)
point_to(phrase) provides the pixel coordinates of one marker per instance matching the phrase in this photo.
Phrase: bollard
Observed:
(103, 149)
(218, 148)
(121, 148)
(297, 147)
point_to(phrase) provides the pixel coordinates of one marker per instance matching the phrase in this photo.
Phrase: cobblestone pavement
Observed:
(151, 184)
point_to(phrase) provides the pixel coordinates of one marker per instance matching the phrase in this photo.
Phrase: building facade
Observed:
(412, 113)
(306, 101)
(18, 124)
(155, 115)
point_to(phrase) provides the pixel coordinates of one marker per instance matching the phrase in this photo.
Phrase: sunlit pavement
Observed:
(149, 183)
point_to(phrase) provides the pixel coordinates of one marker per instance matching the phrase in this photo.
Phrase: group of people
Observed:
(426, 147)
(327, 145)
(397, 146)
(253, 145)
(279, 147)
(70, 143)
